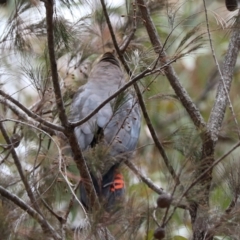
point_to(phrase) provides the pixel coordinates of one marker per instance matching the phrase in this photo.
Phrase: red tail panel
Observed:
(118, 182)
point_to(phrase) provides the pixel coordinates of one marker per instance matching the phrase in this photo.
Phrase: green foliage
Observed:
(179, 238)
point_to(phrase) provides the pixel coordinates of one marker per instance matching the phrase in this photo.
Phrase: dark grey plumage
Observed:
(111, 135)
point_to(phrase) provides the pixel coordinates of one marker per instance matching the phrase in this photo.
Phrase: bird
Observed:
(111, 135)
(232, 5)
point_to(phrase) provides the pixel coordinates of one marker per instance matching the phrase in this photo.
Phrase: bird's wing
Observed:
(84, 102)
(118, 122)
(120, 126)
(122, 131)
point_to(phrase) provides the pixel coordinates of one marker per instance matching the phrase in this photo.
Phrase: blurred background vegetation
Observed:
(81, 36)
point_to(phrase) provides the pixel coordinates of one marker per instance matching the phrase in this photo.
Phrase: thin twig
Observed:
(220, 221)
(232, 204)
(59, 151)
(169, 71)
(19, 167)
(69, 130)
(210, 137)
(158, 144)
(59, 218)
(31, 196)
(36, 156)
(113, 37)
(202, 175)
(120, 90)
(141, 75)
(28, 209)
(145, 179)
(140, 98)
(67, 211)
(50, 38)
(83, 169)
(6, 156)
(30, 113)
(150, 184)
(70, 203)
(226, 76)
(126, 43)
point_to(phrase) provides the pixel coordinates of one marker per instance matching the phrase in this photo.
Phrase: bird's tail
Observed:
(110, 189)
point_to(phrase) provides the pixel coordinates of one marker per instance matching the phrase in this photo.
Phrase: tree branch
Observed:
(19, 167)
(44, 223)
(141, 75)
(158, 144)
(169, 71)
(50, 38)
(224, 86)
(30, 113)
(34, 214)
(145, 179)
(69, 130)
(199, 178)
(221, 101)
(23, 116)
(120, 90)
(140, 98)
(214, 125)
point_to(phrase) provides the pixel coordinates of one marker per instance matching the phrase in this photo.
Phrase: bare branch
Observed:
(225, 87)
(127, 85)
(214, 125)
(31, 196)
(38, 217)
(59, 153)
(158, 144)
(145, 179)
(169, 71)
(30, 113)
(50, 38)
(69, 131)
(59, 218)
(199, 178)
(23, 116)
(220, 221)
(133, 80)
(19, 167)
(219, 108)
(68, 208)
(125, 44)
(140, 98)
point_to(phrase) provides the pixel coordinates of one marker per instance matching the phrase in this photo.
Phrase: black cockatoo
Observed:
(111, 135)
